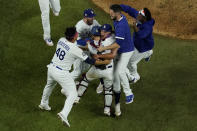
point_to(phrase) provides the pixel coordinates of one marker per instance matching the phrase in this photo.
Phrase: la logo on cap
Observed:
(86, 14)
(104, 26)
(92, 12)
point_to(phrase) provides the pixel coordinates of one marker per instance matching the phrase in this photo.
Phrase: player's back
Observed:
(66, 53)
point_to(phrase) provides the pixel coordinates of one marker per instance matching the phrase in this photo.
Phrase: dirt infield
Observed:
(175, 18)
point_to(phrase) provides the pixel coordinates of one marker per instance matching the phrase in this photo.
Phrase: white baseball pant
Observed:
(65, 80)
(120, 76)
(135, 58)
(95, 73)
(45, 10)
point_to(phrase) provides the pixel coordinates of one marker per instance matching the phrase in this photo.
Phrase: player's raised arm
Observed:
(131, 11)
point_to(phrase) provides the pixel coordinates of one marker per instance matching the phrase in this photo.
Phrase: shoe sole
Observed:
(63, 121)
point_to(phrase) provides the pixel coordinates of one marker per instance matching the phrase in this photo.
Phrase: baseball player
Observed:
(58, 72)
(96, 72)
(142, 37)
(45, 6)
(125, 44)
(84, 27)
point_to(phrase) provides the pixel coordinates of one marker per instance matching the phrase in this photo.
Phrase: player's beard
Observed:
(114, 18)
(89, 22)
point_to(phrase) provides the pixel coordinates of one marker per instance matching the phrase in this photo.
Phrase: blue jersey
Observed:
(123, 35)
(143, 39)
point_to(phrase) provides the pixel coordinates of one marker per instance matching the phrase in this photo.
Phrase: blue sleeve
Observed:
(131, 11)
(144, 32)
(90, 61)
(119, 35)
(119, 42)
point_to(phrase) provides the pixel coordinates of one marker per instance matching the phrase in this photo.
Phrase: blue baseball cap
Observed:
(96, 31)
(89, 13)
(106, 28)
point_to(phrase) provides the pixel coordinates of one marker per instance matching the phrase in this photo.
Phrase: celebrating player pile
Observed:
(112, 54)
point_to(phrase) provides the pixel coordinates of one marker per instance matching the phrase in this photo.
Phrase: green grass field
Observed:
(165, 97)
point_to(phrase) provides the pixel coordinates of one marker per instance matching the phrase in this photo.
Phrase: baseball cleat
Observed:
(117, 109)
(147, 59)
(49, 42)
(56, 13)
(129, 99)
(136, 79)
(99, 89)
(64, 120)
(44, 107)
(132, 81)
(107, 111)
(77, 100)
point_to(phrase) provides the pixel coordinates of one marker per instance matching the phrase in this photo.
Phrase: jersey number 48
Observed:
(60, 53)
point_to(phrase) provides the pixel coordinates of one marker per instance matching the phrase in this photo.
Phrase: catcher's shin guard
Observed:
(83, 85)
(108, 96)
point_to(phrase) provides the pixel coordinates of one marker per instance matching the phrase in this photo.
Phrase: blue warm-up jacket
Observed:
(143, 39)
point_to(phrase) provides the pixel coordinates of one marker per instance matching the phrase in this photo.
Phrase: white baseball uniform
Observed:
(84, 32)
(58, 72)
(96, 73)
(45, 10)
(132, 65)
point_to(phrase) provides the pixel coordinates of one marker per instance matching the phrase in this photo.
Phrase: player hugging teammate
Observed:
(113, 57)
